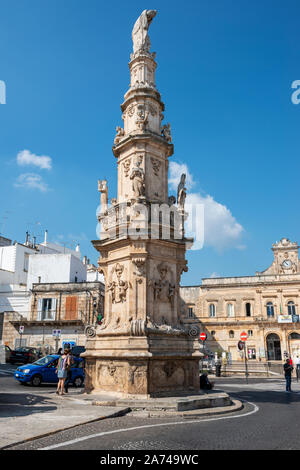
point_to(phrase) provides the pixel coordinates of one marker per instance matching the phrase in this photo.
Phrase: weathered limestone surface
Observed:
(142, 349)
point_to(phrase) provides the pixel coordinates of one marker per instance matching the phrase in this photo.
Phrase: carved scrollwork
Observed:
(90, 331)
(155, 165)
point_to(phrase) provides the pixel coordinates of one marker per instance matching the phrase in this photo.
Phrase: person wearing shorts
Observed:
(62, 371)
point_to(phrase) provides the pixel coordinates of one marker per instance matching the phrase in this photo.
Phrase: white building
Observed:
(22, 265)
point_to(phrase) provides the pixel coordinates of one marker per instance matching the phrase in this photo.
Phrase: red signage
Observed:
(203, 336)
(243, 336)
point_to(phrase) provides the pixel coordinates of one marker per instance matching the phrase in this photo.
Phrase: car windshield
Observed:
(44, 360)
(22, 349)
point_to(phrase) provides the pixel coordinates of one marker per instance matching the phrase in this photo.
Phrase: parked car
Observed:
(77, 350)
(24, 355)
(8, 352)
(44, 371)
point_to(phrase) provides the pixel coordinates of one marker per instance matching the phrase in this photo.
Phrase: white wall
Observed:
(55, 268)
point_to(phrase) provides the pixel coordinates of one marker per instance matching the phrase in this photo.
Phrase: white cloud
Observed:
(25, 157)
(31, 181)
(176, 170)
(220, 228)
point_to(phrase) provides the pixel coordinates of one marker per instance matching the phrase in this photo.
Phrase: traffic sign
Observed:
(241, 345)
(203, 336)
(21, 330)
(56, 332)
(243, 336)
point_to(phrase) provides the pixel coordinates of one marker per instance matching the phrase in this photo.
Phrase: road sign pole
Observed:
(246, 365)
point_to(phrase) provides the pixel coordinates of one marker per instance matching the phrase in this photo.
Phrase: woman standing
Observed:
(62, 371)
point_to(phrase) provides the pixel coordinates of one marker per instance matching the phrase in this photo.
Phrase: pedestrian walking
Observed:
(62, 370)
(69, 371)
(60, 351)
(288, 369)
(297, 364)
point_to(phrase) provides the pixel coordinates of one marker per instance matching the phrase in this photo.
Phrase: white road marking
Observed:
(105, 433)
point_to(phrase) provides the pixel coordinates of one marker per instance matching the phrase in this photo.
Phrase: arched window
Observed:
(291, 308)
(270, 309)
(231, 334)
(212, 334)
(250, 333)
(248, 309)
(212, 310)
(230, 310)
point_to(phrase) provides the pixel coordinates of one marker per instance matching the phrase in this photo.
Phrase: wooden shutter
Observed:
(71, 308)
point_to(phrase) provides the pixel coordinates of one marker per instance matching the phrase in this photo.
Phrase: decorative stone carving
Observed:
(155, 165)
(140, 266)
(142, 119)
(140, 38)
(118, 288)
(181, 192)
(171, 200)
(126, 166)
(137, 327)
(120, 134)
(131, 109)
(166, 132)
(152, 110)
(138, 180)
(163, 328)
(163, 289)
(90, 331)
(103, 189)
(169, 368)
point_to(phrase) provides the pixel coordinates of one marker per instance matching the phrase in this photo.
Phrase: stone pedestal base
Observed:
(134, 368)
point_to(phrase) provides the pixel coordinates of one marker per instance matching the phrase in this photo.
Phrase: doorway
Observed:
(273, 347)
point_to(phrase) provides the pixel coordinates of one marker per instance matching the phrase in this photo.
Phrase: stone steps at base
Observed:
(210, 400)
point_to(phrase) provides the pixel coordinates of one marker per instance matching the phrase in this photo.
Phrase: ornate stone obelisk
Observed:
(142, 349)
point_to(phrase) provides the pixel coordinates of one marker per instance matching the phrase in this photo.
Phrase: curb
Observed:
(237, 406)
(112, 415)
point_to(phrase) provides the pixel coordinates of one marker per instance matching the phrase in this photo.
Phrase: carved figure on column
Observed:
(163, 289)
(140, 38)
(120, 133)
(166, 132)
(181, 192)
(142, 119)
(119, 287)
(103, 189)
(138, 180)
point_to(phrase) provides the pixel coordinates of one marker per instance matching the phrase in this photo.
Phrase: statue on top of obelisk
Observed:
(140, 38)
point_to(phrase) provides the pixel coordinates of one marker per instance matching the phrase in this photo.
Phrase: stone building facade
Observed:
(265, 306)
(69, 307)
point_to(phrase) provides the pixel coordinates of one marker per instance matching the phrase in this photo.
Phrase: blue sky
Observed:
(225, 70)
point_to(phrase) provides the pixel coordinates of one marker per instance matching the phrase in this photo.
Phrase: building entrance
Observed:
(273, 347)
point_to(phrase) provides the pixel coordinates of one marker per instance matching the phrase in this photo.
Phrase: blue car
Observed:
(44, 370)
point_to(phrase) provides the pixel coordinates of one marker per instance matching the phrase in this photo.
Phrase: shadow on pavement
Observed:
(12, 405)
(265, 396)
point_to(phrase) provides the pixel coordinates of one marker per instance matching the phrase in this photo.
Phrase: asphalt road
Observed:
(269, 420)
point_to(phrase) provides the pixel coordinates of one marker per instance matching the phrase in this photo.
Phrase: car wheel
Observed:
(36, 380)
(78, 382)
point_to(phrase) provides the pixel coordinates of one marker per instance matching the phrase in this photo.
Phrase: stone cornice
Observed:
(147, 137)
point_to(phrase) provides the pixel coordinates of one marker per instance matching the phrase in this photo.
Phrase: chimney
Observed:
(27, 239)
(84, 260)
(34, 242)
(45, 238)
(77, 248)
